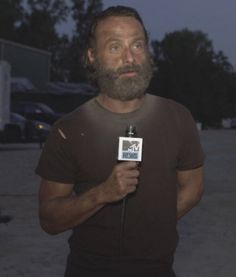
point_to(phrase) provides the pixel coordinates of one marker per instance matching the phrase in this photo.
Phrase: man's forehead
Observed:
(117, 25)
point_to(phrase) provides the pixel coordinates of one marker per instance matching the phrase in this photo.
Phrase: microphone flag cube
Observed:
(130, 149)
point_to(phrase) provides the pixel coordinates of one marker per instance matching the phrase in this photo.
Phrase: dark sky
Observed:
(217, 18)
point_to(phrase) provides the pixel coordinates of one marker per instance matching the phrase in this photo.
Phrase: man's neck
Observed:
(118, 106)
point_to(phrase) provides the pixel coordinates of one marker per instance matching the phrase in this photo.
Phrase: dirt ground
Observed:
(207, 245)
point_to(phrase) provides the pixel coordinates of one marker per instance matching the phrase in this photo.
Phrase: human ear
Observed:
(90, 54)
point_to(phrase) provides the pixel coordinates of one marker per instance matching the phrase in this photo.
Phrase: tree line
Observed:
(187, 68)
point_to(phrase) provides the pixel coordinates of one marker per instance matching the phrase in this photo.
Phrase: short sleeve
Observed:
(57, 162)
(191, 154)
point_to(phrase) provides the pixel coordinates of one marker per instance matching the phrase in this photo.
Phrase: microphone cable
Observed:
(131, 133)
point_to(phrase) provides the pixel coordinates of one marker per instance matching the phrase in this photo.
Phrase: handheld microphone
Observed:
(129, 149)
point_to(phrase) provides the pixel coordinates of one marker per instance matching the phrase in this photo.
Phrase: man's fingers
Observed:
(129, 174)
(127, 169)
(122, 181)
(127, 165)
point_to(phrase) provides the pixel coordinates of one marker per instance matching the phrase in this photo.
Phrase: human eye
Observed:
(115, 48)
(139, 45)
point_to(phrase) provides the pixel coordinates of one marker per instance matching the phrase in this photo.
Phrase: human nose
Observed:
(128, 56)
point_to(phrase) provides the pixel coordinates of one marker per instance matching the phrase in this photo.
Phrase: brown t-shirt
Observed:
(86, 154)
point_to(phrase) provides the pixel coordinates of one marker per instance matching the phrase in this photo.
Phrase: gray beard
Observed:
(124, 88)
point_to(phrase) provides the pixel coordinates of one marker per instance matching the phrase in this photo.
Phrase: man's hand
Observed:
(122, 181)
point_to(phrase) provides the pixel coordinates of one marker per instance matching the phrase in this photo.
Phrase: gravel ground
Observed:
(207, 234)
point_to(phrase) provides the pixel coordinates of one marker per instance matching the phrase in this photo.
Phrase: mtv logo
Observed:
(130, 149)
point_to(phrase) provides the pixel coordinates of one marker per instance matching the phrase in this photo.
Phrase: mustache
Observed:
(112, 74)
(128, 68)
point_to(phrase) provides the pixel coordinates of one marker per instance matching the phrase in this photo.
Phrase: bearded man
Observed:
(83, 185)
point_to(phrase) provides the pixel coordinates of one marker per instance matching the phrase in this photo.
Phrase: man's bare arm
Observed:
(190, 190)
(59, 210)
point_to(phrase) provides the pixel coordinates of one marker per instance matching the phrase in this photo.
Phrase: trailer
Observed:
(8, 132)
(4, 94)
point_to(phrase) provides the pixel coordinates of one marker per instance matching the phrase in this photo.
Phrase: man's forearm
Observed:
(59, 211)
(185, 202)
(190, 190)
(63, 213)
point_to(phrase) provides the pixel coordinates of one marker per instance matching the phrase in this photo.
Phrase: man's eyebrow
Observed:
(117, 38)
(111, 39)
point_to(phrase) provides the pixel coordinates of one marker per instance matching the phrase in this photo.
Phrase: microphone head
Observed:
(131, 131)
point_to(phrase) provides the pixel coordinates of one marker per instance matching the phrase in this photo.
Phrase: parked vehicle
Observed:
(229, 123)
(11, 134)
(15, 127)
(233, 123)
(31, 130)
(36, 111)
